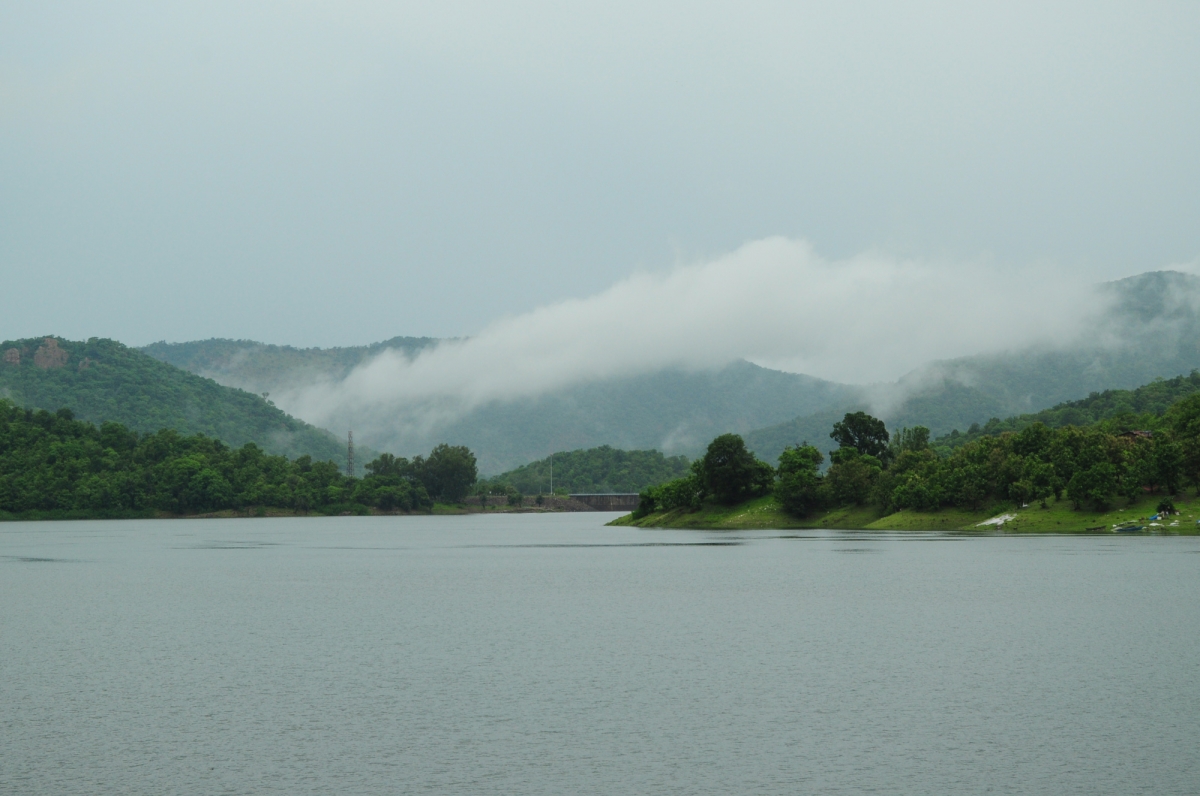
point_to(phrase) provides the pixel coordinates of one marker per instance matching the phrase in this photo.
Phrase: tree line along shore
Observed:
(54, 466)
(1121, 473)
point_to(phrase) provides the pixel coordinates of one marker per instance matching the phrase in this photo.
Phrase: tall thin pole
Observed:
(350, 454)
(551, 474)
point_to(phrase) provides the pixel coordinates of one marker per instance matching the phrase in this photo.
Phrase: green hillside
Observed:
(102, 380)
(603, 469)
(1131, 409)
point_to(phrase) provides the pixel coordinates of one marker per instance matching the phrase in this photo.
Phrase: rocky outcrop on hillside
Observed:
(50, 355)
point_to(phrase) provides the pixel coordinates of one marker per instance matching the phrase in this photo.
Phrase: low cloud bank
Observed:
(866, 319)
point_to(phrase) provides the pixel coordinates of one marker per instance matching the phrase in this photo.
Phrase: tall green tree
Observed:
(1095, 486)
(864, 433)
(730, 473)
(799, 487)
(449, 472)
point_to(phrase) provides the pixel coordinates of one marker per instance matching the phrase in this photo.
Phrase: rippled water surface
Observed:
(551, 655)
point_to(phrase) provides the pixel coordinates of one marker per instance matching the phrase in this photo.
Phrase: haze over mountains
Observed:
(1132, 331)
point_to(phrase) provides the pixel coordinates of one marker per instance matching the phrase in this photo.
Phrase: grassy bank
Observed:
(1058, 517)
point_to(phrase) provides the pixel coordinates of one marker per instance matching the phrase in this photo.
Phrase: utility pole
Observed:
(551, 475)
(350, 454)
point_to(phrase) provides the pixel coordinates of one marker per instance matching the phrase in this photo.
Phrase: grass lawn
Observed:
(1057, 517)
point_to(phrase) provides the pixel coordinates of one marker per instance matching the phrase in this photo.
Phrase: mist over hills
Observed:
(1146, 326)
(1150, 329)
(673, 410)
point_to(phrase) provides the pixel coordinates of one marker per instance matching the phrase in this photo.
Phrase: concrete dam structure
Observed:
(609, 501)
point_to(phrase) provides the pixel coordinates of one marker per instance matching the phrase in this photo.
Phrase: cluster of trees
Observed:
(603, 469)
(727, 473)
(1091, 466)
(393, 482)
(53, 464)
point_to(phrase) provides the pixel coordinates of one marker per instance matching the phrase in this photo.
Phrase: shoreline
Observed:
(263, 512)
(1059, 517)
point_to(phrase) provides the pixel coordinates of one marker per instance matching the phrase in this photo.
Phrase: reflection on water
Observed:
(548, 655)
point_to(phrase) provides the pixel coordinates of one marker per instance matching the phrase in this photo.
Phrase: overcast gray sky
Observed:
(339, 173)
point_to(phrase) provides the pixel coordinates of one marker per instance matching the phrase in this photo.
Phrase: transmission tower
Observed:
(350, 454)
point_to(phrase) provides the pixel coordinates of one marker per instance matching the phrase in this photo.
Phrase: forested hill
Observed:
(1150, 328)
(261, 367)
(1133, 409)
(603, 469)
(102, 380)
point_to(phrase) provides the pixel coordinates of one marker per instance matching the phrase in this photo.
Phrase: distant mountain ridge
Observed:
(675, 411)
(672, 410)
(101, 380)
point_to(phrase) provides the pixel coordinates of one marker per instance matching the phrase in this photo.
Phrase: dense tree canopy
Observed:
(862, 432)
(730, 473)
(799, 487)
(448, 472)
(1092, 466)
(727, 473)
(55, 465)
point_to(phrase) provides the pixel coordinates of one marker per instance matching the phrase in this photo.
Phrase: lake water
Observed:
(551, 655)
